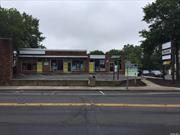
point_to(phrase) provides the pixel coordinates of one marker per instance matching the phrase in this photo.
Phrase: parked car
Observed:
(146, 72)
(156, 73)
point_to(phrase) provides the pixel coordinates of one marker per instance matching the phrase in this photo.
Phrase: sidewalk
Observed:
(150, 87)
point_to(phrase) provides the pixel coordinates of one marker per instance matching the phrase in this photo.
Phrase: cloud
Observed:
(86, 24)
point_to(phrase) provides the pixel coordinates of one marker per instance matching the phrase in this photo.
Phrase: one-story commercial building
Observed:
(35, 60)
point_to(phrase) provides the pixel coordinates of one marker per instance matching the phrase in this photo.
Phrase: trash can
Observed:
(92, 81)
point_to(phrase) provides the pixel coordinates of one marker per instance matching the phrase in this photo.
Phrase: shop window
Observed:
(99, 65)
(29, 66)
(57, 65)
(78, 65)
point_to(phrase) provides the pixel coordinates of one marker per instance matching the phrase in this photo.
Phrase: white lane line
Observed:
(102, 92)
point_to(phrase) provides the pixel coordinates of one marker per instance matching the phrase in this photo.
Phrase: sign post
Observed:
(130, 70)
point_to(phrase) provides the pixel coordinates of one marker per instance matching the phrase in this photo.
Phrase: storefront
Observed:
(31, 60)
(46, 61)
(99, 62)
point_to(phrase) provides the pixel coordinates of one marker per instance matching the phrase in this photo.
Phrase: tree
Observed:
(22, 28)
(114, 52)
(96, 52)
(163, 17)
(133, 53)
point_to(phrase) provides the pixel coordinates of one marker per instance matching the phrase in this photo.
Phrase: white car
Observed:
(156, 73)
(145, 72)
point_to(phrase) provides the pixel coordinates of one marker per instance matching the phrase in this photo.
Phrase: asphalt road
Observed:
(89, 113)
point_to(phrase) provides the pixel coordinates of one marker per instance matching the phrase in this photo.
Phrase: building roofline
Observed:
(40, 49)
(52, 56)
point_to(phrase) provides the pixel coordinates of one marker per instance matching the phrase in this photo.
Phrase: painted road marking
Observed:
(88, 104)
(102, 92)
(88, 94)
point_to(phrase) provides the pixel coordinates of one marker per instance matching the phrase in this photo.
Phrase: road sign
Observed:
(131, 69)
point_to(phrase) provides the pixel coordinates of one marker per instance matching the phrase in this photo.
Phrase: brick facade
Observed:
(6, 60)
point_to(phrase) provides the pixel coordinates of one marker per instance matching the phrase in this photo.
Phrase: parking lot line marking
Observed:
(88, 104)
(102, 92)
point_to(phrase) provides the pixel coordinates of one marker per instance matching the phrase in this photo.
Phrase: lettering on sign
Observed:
(167, 51)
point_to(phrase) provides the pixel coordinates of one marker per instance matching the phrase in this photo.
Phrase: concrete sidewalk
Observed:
(150, 87)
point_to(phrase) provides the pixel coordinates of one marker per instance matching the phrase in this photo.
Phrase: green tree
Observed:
(22, 28)
(133, 53)
(163, 17)
(114, 52)
(96, 52)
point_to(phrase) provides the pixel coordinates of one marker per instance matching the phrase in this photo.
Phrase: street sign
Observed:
(131, 69)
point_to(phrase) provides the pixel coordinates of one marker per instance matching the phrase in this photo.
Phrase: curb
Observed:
(123, 89)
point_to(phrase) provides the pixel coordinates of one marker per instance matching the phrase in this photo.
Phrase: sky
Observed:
(86, 24)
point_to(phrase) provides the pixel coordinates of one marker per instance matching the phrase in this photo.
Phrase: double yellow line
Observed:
(88, 104)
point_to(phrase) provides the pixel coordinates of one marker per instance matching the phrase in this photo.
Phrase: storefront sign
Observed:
(166, 57)
(166, 62)
(166, 51)
(97, 56)
(31, 52)
(166, 45)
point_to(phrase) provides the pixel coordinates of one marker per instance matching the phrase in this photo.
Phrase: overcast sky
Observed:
(86, 24)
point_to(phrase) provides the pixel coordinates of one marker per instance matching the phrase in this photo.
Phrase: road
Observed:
(89, 113)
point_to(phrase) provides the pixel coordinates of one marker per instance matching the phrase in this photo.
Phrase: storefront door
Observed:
(111, 67)
(67, 66)
(39, 67)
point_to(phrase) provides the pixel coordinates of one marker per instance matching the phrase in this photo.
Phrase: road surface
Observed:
(89, 113)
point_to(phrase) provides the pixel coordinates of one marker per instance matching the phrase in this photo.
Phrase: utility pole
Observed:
(173, 61)
(175, 55)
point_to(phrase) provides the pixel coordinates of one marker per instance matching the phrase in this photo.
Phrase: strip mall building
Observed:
(30, 60)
